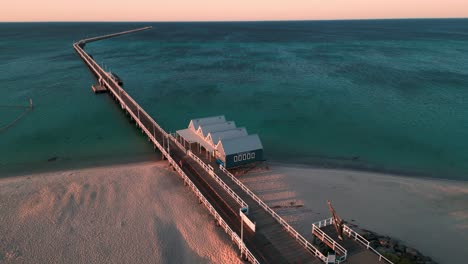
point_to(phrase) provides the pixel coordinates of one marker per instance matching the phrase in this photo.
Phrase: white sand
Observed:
(142, 213)
(139, 213)
(430, 215)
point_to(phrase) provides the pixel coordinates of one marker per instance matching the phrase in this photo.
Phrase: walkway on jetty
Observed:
(273, 241)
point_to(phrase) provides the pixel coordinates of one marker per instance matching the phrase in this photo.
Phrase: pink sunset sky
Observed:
(226, 10)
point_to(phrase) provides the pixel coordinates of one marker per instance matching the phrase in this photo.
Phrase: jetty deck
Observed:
(273, 241)
(98, 88)
(353, 249)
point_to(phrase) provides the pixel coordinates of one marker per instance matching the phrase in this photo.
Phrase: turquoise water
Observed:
(384, 95)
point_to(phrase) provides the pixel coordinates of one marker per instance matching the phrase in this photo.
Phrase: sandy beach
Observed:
(142, 213)
(137, 213)
(427, 214)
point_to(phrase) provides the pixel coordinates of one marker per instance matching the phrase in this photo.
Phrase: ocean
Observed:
(380, 95)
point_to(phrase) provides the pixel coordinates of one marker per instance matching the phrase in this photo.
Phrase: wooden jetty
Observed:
(260, 233)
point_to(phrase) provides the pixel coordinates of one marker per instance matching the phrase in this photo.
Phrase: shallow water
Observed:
(381, 95)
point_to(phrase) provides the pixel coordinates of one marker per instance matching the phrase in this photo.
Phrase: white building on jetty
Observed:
(232, 146)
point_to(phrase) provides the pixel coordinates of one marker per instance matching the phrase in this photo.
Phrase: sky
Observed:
(226, 10)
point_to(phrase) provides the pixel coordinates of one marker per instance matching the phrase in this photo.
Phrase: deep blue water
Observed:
(372, 94)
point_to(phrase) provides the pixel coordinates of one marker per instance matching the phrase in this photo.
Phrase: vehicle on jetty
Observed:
(116, 78)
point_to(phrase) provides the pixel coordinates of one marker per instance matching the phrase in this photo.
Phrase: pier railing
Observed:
(323, 223)
(171, 137)
(306, 244)
(137, 113)
(119, 92)
(210, 171)
(330, 241)
(234, 237)
(353, 235)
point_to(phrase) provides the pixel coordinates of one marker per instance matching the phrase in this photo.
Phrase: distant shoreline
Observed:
(358, 168)
(64, 164)
(383, 173)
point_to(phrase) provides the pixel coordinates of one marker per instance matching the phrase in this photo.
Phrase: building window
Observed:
(253, 155)
(244, 157)
(235, 158)
(239, 157)
(248, 156)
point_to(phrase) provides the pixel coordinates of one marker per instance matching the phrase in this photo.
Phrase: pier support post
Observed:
(168, 144)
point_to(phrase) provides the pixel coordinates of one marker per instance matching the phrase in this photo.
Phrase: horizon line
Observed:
(226, 21)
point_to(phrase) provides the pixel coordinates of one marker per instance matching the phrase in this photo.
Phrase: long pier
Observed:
(113, 35)
(261, 235)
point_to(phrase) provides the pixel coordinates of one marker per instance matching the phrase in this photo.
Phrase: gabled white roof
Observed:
(196, 123)
(192, 137)
(240, 144)
(204, 130)
(233, 133)
(188, 135)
